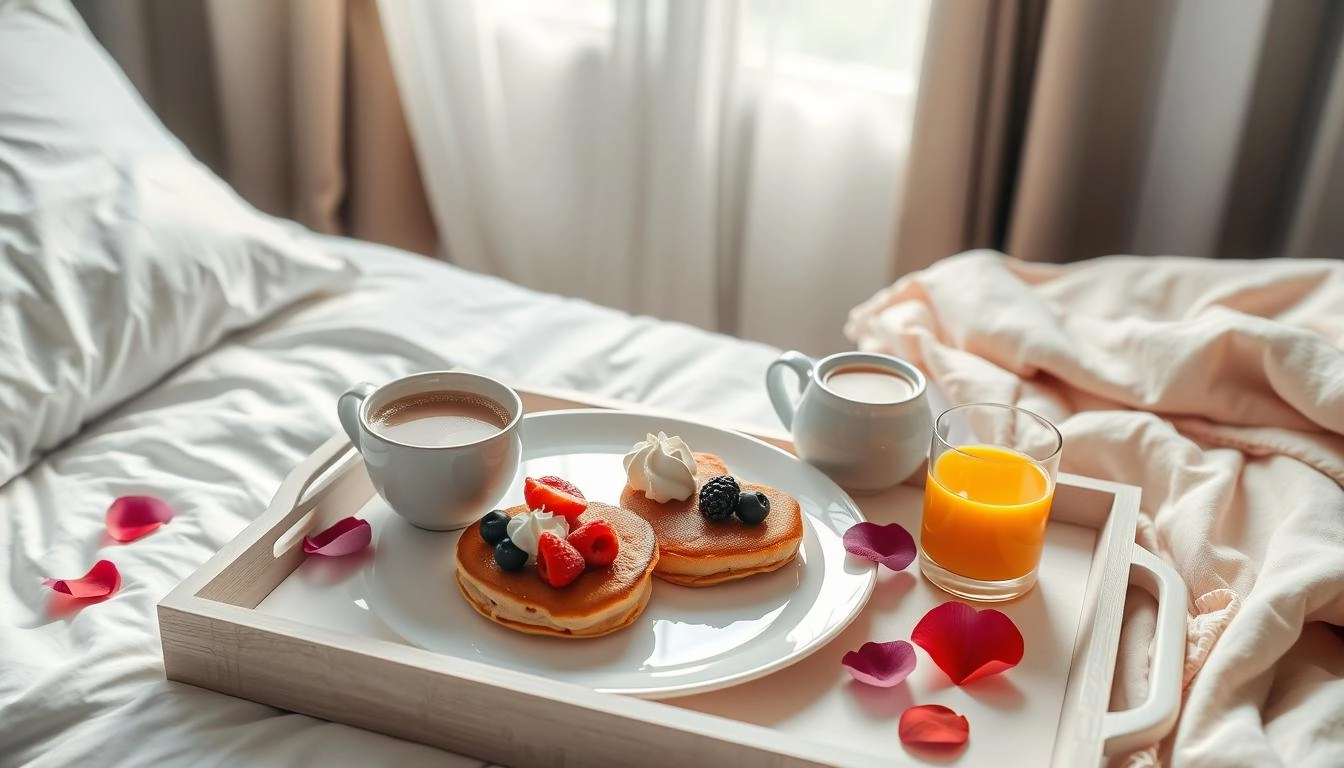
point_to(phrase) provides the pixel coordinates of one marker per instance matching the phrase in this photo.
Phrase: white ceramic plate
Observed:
(688, 640)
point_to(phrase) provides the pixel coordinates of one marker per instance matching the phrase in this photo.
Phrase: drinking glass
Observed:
(991, 479)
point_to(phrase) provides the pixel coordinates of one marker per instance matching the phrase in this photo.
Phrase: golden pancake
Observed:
(695, 551)
(600, 601)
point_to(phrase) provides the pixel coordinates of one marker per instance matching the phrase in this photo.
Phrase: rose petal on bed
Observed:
(346, 537)
(890, 545)
(102, 579)
(130, 517)
(968, 644)
(933, 725)
(881, 664)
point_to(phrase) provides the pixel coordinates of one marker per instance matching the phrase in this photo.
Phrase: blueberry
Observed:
(509, 557)
(495, 527)
(752, 507)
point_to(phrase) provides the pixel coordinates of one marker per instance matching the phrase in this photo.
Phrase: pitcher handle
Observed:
(347, 409)
(786, 404)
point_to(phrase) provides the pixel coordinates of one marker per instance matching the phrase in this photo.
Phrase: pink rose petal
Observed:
(968, 644)
(346, 537)
(881, 664)
(890, 545)
(130, 517)
(933, 725)
(102, 579)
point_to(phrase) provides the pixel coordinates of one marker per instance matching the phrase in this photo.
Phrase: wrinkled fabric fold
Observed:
(215, 439)
(1218, 388)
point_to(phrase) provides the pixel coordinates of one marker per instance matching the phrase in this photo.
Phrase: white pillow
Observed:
(121, 257)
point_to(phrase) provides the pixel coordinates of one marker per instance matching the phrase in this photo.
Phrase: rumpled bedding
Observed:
(85, 685)
(1218, 388)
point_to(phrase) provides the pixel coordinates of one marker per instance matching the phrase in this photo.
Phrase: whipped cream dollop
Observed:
(525, 530)
(662, 467)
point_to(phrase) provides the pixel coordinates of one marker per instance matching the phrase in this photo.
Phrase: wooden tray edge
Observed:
(212, 639)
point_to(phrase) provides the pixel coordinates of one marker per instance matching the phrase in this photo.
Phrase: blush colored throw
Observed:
(1218, 388)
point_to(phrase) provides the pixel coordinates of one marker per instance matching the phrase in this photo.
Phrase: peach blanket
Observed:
(1218, 388)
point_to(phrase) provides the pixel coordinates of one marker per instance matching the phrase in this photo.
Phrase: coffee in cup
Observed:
(869, 384)
(440, 447)
(862, 418)
(439, 419)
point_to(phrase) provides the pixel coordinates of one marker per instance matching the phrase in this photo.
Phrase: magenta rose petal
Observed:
(881, 664)
(130, 517)
(890, 545)
(968, 644)
(102, 580)
(933, 725)
(346, 537)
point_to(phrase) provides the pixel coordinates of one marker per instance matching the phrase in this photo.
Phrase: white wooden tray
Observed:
(261, 622)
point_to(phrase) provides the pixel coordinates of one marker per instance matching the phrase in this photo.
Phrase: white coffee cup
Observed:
(869, 438)
(438, 487)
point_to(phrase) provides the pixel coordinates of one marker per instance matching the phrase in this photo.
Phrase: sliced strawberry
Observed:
(554, 495)
(561, 484)
(558, 562)
(596, 541)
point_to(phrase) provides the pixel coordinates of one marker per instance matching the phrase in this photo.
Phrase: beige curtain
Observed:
(978, 61)
(1058, 131)
(1067, 129)
(292, 102)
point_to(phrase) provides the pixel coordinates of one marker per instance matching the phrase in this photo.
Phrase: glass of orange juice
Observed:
(992, 471)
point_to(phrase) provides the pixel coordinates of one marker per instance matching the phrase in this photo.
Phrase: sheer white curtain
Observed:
(732, 164)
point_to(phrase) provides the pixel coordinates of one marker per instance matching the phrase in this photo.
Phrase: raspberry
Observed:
(558, 562)
(596, 541)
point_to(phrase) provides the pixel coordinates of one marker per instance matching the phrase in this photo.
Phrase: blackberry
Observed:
(718, 497)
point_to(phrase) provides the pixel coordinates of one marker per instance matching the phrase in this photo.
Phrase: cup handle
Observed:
(786, 404)
(347, 409)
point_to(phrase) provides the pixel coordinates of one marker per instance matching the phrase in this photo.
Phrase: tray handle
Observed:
(298, 484)
(1151, 721)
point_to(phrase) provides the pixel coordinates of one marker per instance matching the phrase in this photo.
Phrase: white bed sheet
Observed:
(214, 439)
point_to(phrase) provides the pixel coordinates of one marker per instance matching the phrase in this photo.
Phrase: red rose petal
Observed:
(102, 579)
(890, 545)
(130, 517)
(933, 725)
(968, 644)
(346, 537)
(881, 664)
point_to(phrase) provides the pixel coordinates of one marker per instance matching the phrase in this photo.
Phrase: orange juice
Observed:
(985, 511)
